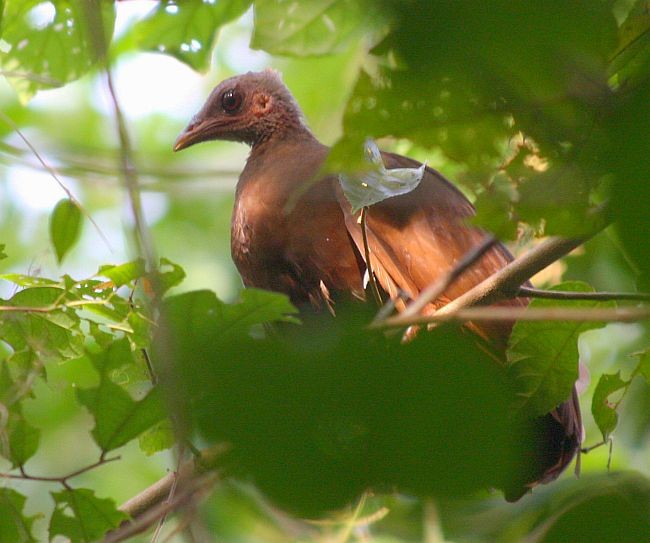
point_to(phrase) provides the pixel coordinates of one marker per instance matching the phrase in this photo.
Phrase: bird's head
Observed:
(251, 108)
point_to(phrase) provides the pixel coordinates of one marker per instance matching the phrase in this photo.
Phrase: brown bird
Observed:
(314, 251)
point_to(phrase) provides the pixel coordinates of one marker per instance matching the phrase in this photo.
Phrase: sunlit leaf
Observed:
(50, 43)
(602, 409)
(543, 356)
(378, 183)
(157, 438)
(311, 27)
(14, 524)
(27, 280)
(65, 227)
(124, 273)
(83, 517)
(187, 30)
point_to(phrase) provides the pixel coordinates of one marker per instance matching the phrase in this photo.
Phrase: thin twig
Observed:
(24, 476)
(435, 289)
(9, 121)
(170, 496)
(500, 313)
(130, 177)
(366, 249)
(530, 292)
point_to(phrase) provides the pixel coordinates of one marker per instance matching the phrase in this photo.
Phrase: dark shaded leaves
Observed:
(82, 517)
(342, 409)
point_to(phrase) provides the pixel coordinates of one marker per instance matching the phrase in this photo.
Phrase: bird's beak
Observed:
(195, 132)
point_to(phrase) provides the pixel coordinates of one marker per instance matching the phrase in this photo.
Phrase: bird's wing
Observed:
(416, 238)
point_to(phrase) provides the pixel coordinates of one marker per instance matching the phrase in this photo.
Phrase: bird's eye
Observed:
(231, 101)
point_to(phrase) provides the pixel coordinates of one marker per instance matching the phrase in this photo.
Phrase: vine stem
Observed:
(9, 121)
(530, 292)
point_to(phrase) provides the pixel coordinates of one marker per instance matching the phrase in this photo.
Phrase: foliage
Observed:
(542, 112)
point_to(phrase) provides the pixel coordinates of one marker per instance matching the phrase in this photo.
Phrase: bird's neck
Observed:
(283, 160)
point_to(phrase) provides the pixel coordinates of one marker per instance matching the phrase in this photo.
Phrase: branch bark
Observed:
(497, 313)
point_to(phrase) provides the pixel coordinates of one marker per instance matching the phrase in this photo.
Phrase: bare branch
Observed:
(499, 313)
(194, 489)
(160, 490)
(530, 292)
(24, 476)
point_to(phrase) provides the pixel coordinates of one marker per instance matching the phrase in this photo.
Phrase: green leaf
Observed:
(157, 438)
(602, 409)
(50, 43)
(14, 525)
(27, 280)
(82, 517)
(3, 255)
(201, 313)
(494, 208)
(65, 227)
(644, 364)
(543, 356)
(378, 183)
(311, 27)
(52, 333)
(169, 275)
(22, 441)
(112, 357)
(186, 30)
(119, 419)
(123, 274)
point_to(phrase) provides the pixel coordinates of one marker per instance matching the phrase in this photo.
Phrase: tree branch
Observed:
(530, 292)
(154, 503)
(160, 490)
(194, 488)
(63, 479)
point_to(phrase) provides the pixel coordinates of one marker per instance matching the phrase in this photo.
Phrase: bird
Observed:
(294, 232)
